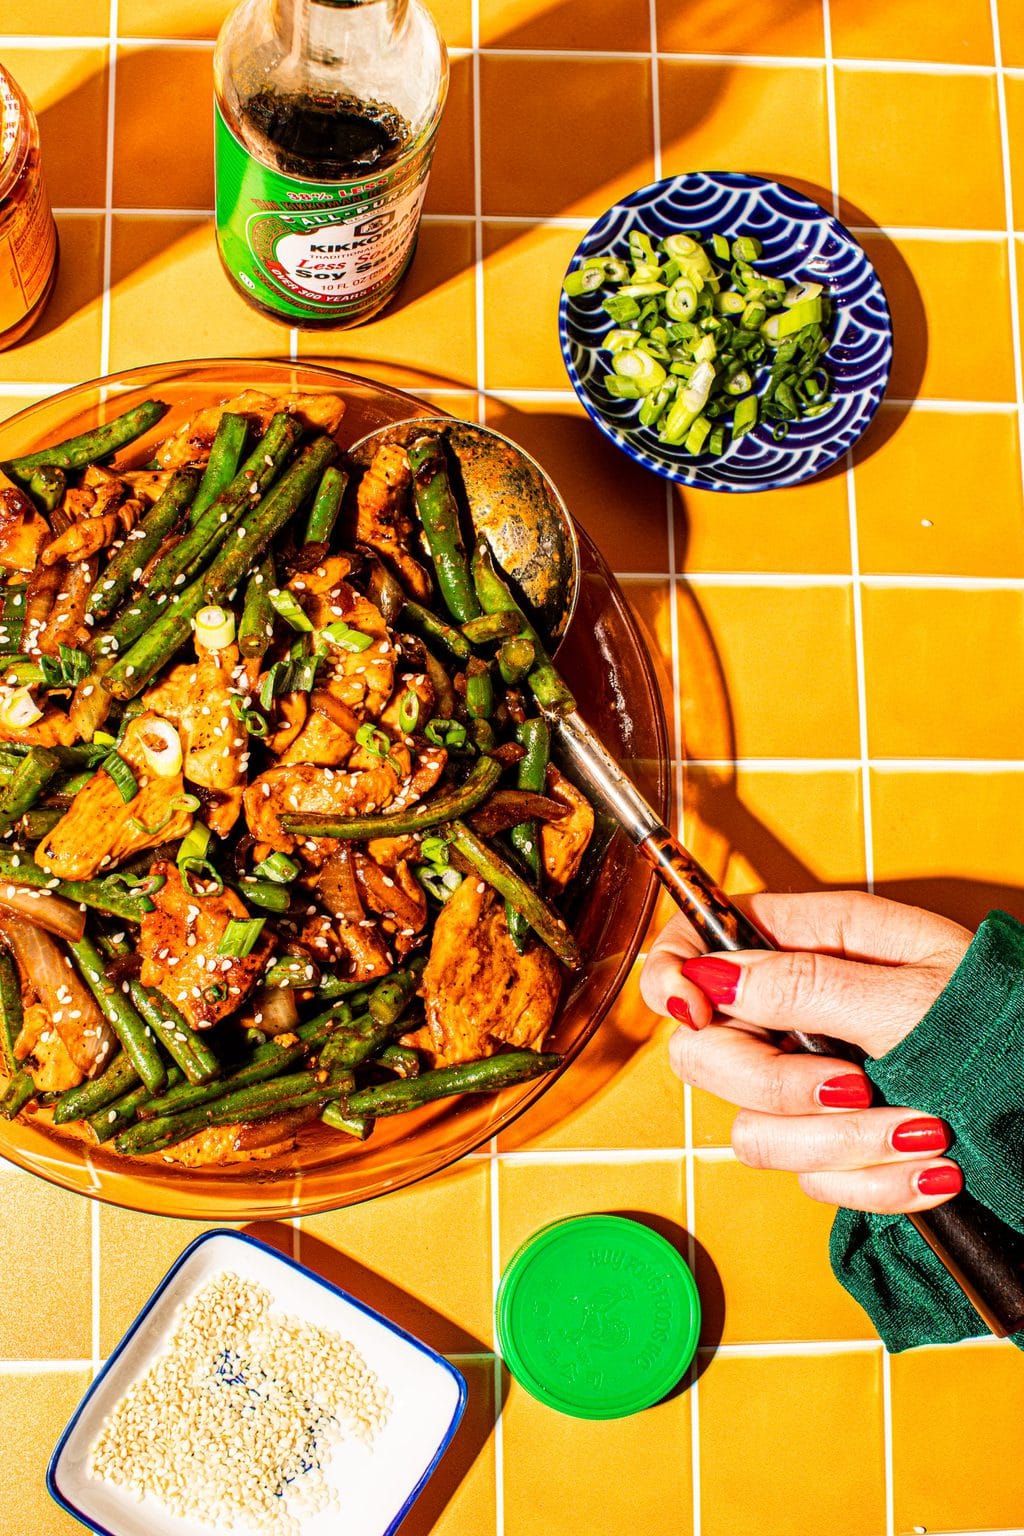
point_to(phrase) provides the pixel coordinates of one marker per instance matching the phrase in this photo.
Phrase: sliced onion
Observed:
(160, 745)
(215, 628)
(52, 913)
(20, 709)
(62, 992)
(274, 1009)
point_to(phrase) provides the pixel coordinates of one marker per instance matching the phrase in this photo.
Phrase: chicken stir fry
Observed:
(282, 836)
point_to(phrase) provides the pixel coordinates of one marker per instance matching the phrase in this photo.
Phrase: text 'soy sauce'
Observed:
(28, 235)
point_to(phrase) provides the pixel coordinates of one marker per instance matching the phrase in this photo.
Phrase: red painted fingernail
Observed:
(679, 1008)
(717, 979)
(947, 1180)
(851, 1091)
(923, 1135)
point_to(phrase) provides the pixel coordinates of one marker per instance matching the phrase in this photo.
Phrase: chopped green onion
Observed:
(408, 712)
(278, 867)
(374, 741)
(266, 894)
(289, 609)
(179, 803)
(122, 775)
(434, 850)
(240, 937)
(744, 417)
(66, 669)
(348, 639)
(446, 733)
(439, 883)
(195, 845)
(584, 280)
(191, 870)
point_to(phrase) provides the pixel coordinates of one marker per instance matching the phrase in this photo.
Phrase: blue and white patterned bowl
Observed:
(801, 243)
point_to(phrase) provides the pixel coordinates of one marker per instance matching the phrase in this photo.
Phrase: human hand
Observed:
(852, 966)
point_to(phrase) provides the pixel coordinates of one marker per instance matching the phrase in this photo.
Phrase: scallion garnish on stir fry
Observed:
(282, 841)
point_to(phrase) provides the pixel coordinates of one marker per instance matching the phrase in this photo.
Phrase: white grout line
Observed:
(890, 1477)
(108, 192)
(499, 1438)
(94, 1234)
(1015, 295)
(986, 765)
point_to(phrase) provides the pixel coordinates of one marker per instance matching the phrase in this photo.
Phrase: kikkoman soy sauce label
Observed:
(312, 250)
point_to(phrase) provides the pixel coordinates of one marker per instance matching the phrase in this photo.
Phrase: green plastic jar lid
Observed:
(597, 1316)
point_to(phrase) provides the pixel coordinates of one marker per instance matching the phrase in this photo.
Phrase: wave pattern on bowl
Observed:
(801, 242)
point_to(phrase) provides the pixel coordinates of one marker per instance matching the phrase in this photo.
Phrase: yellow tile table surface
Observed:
(839, 666)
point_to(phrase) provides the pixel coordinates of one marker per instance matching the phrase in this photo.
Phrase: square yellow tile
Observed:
(63, 346)
(914, 30)
(619, 1093)
(171, 18)
(55, 1321)
(528, 166)
(764, 1244)
(792, 1445)
(802, 528)
(1011, 33)
(425, 1253)
(455, 19)
(720, 26)
(575, 1475)
(450, 188)
(623, 508)
(59, 18)
(427, 334)
(521, 348)
(782, 671)
(615, 26)
(164, 170)
(956, 1416)
(461, 1495)
(1015, 124)
(712, 1120)
(907, 521)
(35, 1410)
(717, 114)
(784, 831)
(895, 127)
(923, 281)
(164, 267)
(136, 1251)
(949, 842)
(943, 670)
(68, 91)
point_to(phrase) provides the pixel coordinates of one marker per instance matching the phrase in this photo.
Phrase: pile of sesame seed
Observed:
(234, 1422)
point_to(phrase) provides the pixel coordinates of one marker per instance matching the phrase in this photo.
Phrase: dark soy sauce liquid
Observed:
(323, 137)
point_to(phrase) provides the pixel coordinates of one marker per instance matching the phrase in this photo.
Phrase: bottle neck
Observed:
(338, 32)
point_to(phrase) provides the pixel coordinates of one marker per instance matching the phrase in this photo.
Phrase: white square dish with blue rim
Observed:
(801, 243)
(375, 1488)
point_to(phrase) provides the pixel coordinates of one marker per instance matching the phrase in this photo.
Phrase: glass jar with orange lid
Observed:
(28, 235)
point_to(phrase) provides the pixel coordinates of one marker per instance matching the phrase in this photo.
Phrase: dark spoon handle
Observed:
(984, 1256)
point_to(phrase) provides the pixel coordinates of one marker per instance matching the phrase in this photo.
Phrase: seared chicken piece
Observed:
(53, 730)
(66, 624)
(178, 942)
(417, 683)
(99, 828)
(227, 1144)
(191, 443)
(361, 679)
(147, 484)
(564, 842)
(338, 890)
(102, 511)
(478, 989)
(43, 1053)
(382, 518)
(328, 735)
(23, 531)
(197, 699)
(40, 595)
(306, 788)
(397, 898)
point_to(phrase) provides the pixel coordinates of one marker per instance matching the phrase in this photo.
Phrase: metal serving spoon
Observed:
(515, 505)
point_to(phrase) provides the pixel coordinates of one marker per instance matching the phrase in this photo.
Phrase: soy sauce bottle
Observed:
(326, 114)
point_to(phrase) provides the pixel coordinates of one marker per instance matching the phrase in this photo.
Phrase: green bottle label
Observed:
(312, 249)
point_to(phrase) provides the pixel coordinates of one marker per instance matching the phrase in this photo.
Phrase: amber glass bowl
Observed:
(604, 660)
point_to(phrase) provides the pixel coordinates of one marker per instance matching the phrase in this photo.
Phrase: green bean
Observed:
(491, 626)
(439, 515)
(487, 1076)
(222, 465)
(11, 1011)
(354, 1042)
(326, 505)
(495, 597)
(113, 1118)
(47, 486)
(400, 1059)
(263, 893)
(515, 659)
(267, 520)
(433, 628)
(89, 447)
(531, 774)
(184, 1045)
(166, 635)
(261, 1101)
(16, 1095)
(256, 628)
(268, 1061)
(34, 772)
(450, 803)
(546, 923)
(359, 1126)
(12, 616)
(392, 996)
(337, 986)
(479, 690)
(293, 971)
(142, 544)
(135, 1036)
(96, 1093)
(16, 869)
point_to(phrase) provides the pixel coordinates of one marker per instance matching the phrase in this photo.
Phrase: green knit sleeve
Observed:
(965, 1063)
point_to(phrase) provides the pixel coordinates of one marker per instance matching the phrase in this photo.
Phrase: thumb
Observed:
(873, 1006)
